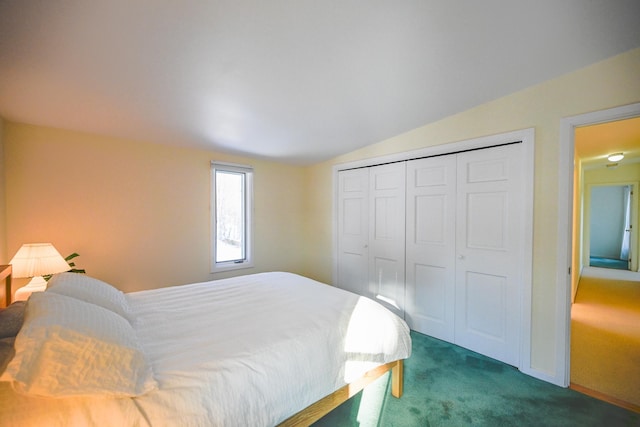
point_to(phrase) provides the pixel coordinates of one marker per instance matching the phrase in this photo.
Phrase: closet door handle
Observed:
(460, 257)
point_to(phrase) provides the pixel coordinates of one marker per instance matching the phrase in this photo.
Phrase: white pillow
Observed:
(91, 290)
(68, 347)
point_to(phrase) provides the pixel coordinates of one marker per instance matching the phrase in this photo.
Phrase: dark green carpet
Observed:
(445, 385)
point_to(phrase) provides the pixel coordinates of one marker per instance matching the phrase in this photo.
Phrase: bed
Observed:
(261, 350)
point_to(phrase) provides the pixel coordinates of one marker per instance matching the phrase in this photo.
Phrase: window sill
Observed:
(231, 266)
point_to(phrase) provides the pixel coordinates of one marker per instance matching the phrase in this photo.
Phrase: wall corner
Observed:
(3, 197)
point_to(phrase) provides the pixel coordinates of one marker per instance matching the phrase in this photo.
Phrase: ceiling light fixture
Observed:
(615, 157)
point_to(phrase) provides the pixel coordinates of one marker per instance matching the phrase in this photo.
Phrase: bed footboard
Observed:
(325, 405)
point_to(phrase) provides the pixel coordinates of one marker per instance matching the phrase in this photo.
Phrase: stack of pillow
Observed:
(77, 339)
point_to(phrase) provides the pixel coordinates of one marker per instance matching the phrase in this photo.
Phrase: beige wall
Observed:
(604, 85)
(629, 172)
(138, 213)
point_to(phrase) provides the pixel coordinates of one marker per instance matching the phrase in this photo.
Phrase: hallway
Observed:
(605, 339)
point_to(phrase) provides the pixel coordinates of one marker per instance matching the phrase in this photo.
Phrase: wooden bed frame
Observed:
(328, 403)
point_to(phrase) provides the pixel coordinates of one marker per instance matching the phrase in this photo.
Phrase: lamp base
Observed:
(37, 284)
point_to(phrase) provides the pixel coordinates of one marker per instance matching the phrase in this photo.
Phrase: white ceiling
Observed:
(297, 81)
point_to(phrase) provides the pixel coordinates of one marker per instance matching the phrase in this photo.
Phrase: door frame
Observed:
(527, 137)
(564, 271)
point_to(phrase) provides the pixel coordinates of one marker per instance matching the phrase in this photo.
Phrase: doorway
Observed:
(574, 251)
(611, 215)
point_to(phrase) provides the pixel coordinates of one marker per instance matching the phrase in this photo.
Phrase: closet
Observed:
(371, 233)
(439, 240)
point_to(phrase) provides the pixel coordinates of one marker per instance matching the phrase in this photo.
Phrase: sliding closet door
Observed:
(440, 241)
(353, 231)
(489, 247)
(387, 235)
(431, 207)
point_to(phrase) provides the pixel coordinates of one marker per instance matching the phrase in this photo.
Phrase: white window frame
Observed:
(247, 262)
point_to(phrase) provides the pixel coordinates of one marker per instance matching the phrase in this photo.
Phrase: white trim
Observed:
(452, 147)
(527, 136)
(528, 140)
(565, 219)
(232, 166)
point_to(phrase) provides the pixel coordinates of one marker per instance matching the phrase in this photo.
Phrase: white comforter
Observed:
(246, 351)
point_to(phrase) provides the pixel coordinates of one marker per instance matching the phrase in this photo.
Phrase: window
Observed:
(231, 216)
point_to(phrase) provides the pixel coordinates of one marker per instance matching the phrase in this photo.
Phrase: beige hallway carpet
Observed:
(605, 339)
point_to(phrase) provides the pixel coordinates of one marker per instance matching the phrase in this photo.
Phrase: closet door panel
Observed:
(387, 235)
(430, 242)
(488, 251)
(485, 302)
(353, 230)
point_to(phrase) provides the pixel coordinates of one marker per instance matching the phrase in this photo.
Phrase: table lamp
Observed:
(35, 260)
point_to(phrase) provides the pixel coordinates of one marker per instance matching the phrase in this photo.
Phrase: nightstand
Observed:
(5, 274)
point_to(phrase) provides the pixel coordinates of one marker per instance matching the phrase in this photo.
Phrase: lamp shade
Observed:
(38, 259)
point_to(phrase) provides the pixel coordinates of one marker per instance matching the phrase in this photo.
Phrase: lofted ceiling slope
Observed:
(291, 81)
